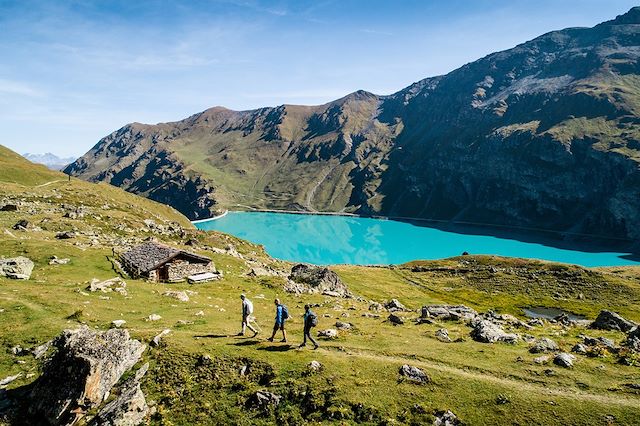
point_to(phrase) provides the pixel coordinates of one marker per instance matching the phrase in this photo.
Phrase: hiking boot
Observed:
(316, 347)
(283, 341)
(255, 333)
(302, 345)
(240, 334)
(270, 339)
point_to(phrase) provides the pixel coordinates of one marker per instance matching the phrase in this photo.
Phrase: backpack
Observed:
(313, 319)
(285, 312)
(249, 306)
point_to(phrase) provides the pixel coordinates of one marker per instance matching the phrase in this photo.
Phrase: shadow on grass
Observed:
(211, 336)
(246, 343)
(278, 348)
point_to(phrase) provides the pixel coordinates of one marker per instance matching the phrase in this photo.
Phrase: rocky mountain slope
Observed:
(543, 135)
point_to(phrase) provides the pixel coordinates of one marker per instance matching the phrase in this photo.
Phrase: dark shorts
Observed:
(278, 326)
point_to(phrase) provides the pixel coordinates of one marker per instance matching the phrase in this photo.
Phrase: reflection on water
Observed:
(340, 239)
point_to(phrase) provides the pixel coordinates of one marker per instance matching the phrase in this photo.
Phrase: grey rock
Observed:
(178, 295)
(445, 418)
(343, 325)
(41, 350)
(608, 320)
(118, 323)
(564, 360)
(443, 335)
(57, 261)
(600, 341)
(155, 342)
(544, 344)
(395, 319)
(314, 366)
(329, 333)
(488, 332)
(579, 348)
(17, 268)
(66, 235)
(81, 373)
(129, 408)
(116, 284)
(542, 359)
(448, 312)
(414, 374)
(9, 208)
(314, 279)
(376, 307)
(21, 225)
(7, 380)
(262, 400)
(394, 305)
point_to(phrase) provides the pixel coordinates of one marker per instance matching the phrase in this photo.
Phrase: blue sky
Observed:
(72, 72)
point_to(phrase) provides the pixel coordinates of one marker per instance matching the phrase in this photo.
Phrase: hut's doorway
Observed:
(163, 273)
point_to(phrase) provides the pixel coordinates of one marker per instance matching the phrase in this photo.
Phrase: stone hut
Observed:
(158, 262)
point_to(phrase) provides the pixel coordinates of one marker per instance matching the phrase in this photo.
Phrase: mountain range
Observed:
(50, 160)
(543, 135)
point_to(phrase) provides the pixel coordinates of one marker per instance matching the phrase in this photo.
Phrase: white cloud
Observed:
(19, 88)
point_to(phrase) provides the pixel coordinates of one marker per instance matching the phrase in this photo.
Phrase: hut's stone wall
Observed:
(181, 269)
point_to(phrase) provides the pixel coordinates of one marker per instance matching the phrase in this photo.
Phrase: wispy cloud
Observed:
(375, 31)
(19, 88)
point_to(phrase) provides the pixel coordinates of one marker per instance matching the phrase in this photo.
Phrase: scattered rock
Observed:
(329, 333)
(155, 317)
(17, 350)
(118, 323)
(370, 315)
(21, 225)
(608, 320)
(41, 350)
(633, 339)
(129, 408)
(4, 382)
(116, 284)
(183, 322)
(343, 325)
(395, 319)
(81, 373)
(443, 335)
(314, 279)
(179, 295)
(200, 313)
(544, 344)
(66, 235)
(54, 260)
(376, 307)
(394, 305)
(262, 400)
(542, 359)
(314, 366)
(155, 342)
(448, 312)
(9, 208)
(414, 374)
(17, 268)
(601, 342)
(536, 322)
(488, 332)
(564, 360)
(446, 418)
(579, 348)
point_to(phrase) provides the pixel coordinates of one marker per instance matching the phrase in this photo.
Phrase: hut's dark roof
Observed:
(149, 256)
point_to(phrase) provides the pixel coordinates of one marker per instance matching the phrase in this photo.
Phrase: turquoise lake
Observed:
(324, 240)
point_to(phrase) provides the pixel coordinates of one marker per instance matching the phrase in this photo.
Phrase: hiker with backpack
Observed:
(310, 321)
(282, 314)
(247, 316)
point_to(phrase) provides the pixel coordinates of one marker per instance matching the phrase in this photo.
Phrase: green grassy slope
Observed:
(481, 383)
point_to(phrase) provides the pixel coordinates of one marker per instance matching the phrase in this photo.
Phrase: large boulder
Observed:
(633, 339)
(315, 279)
(543, 344)
(608, 320)
(488, 332)
(414, 374)
(448, 312)
(129, 408)
(17, 268)
(82, 371)
(394, 305)
(564, 360)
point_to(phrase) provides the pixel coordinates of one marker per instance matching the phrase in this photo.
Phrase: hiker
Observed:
(282, 314)
(247, 312)
(310, 321)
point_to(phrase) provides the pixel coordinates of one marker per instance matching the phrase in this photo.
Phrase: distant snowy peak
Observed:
(50, 160)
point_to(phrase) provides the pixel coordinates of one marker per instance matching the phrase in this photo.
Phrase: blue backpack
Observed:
(285, 312)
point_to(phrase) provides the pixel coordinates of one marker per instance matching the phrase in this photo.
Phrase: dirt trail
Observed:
(49, 183)
(625, 401)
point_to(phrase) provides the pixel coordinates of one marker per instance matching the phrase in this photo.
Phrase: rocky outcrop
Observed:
(543, 344)
(448, 312)
(414, 374)
(129, 408)
(445, 418)
(314, 279)
(17, 268)
(262, 400)
(489, 332)
(608, 320)
(80, 374)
